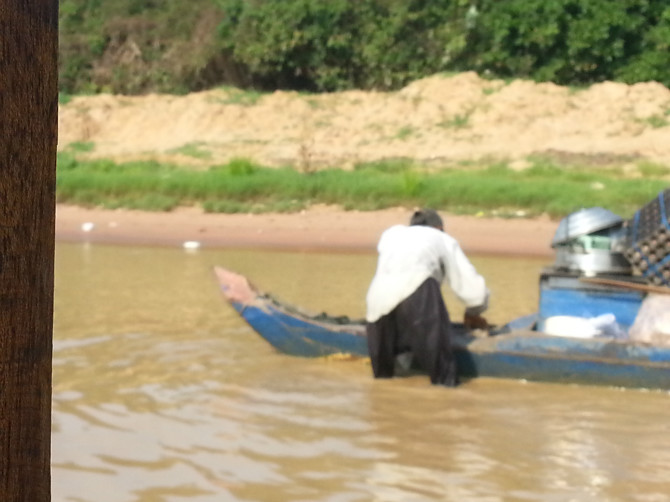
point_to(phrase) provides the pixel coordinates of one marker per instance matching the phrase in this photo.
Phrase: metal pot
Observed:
(584, 222)
(589, 241)
(594, 262)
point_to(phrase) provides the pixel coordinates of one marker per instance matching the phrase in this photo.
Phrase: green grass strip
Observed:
(243, 186)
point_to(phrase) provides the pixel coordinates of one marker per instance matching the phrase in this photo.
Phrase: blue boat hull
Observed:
(301, 337)
(517, 353)
(565, 294)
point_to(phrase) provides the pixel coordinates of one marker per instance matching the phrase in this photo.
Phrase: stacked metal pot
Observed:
(591, 242)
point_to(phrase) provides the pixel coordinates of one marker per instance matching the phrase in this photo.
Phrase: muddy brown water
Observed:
(162, 394)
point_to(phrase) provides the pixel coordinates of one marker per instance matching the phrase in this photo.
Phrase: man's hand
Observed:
(473, 322)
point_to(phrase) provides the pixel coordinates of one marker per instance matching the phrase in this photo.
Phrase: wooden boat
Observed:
(513, 351)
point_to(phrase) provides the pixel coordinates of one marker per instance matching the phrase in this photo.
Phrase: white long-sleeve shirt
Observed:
(408, 255)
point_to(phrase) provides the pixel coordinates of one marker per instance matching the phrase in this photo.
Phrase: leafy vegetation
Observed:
(243, 186)
(138, 46)
(572, 42)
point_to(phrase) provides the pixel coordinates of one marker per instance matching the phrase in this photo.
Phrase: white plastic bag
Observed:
(652, 324)
(584, 327)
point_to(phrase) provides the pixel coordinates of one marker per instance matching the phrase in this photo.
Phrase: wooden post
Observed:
(28, 140)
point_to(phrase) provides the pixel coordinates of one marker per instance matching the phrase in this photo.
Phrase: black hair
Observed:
(427, 217)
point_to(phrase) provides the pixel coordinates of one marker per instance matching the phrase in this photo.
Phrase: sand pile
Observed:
(441, 120)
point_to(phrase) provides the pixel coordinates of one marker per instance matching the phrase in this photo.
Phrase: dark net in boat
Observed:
(322, 317)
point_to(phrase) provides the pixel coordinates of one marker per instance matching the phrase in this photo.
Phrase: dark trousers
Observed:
(419, 324)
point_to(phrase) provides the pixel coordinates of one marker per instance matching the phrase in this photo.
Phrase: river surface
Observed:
(161, 393)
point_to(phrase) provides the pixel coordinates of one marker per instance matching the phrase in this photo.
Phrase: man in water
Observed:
(405, 308)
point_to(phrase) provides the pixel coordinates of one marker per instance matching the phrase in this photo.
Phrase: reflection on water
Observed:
(162, 394)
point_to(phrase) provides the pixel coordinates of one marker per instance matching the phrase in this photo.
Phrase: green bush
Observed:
(138, 46)
(572, 42)
(340, 44)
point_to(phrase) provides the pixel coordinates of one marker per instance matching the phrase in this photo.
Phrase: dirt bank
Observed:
(441, 120)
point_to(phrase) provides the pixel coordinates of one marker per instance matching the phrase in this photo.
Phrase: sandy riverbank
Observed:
(442, 121)
(319, 228)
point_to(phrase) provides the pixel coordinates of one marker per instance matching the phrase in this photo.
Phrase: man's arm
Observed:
(464, 280)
